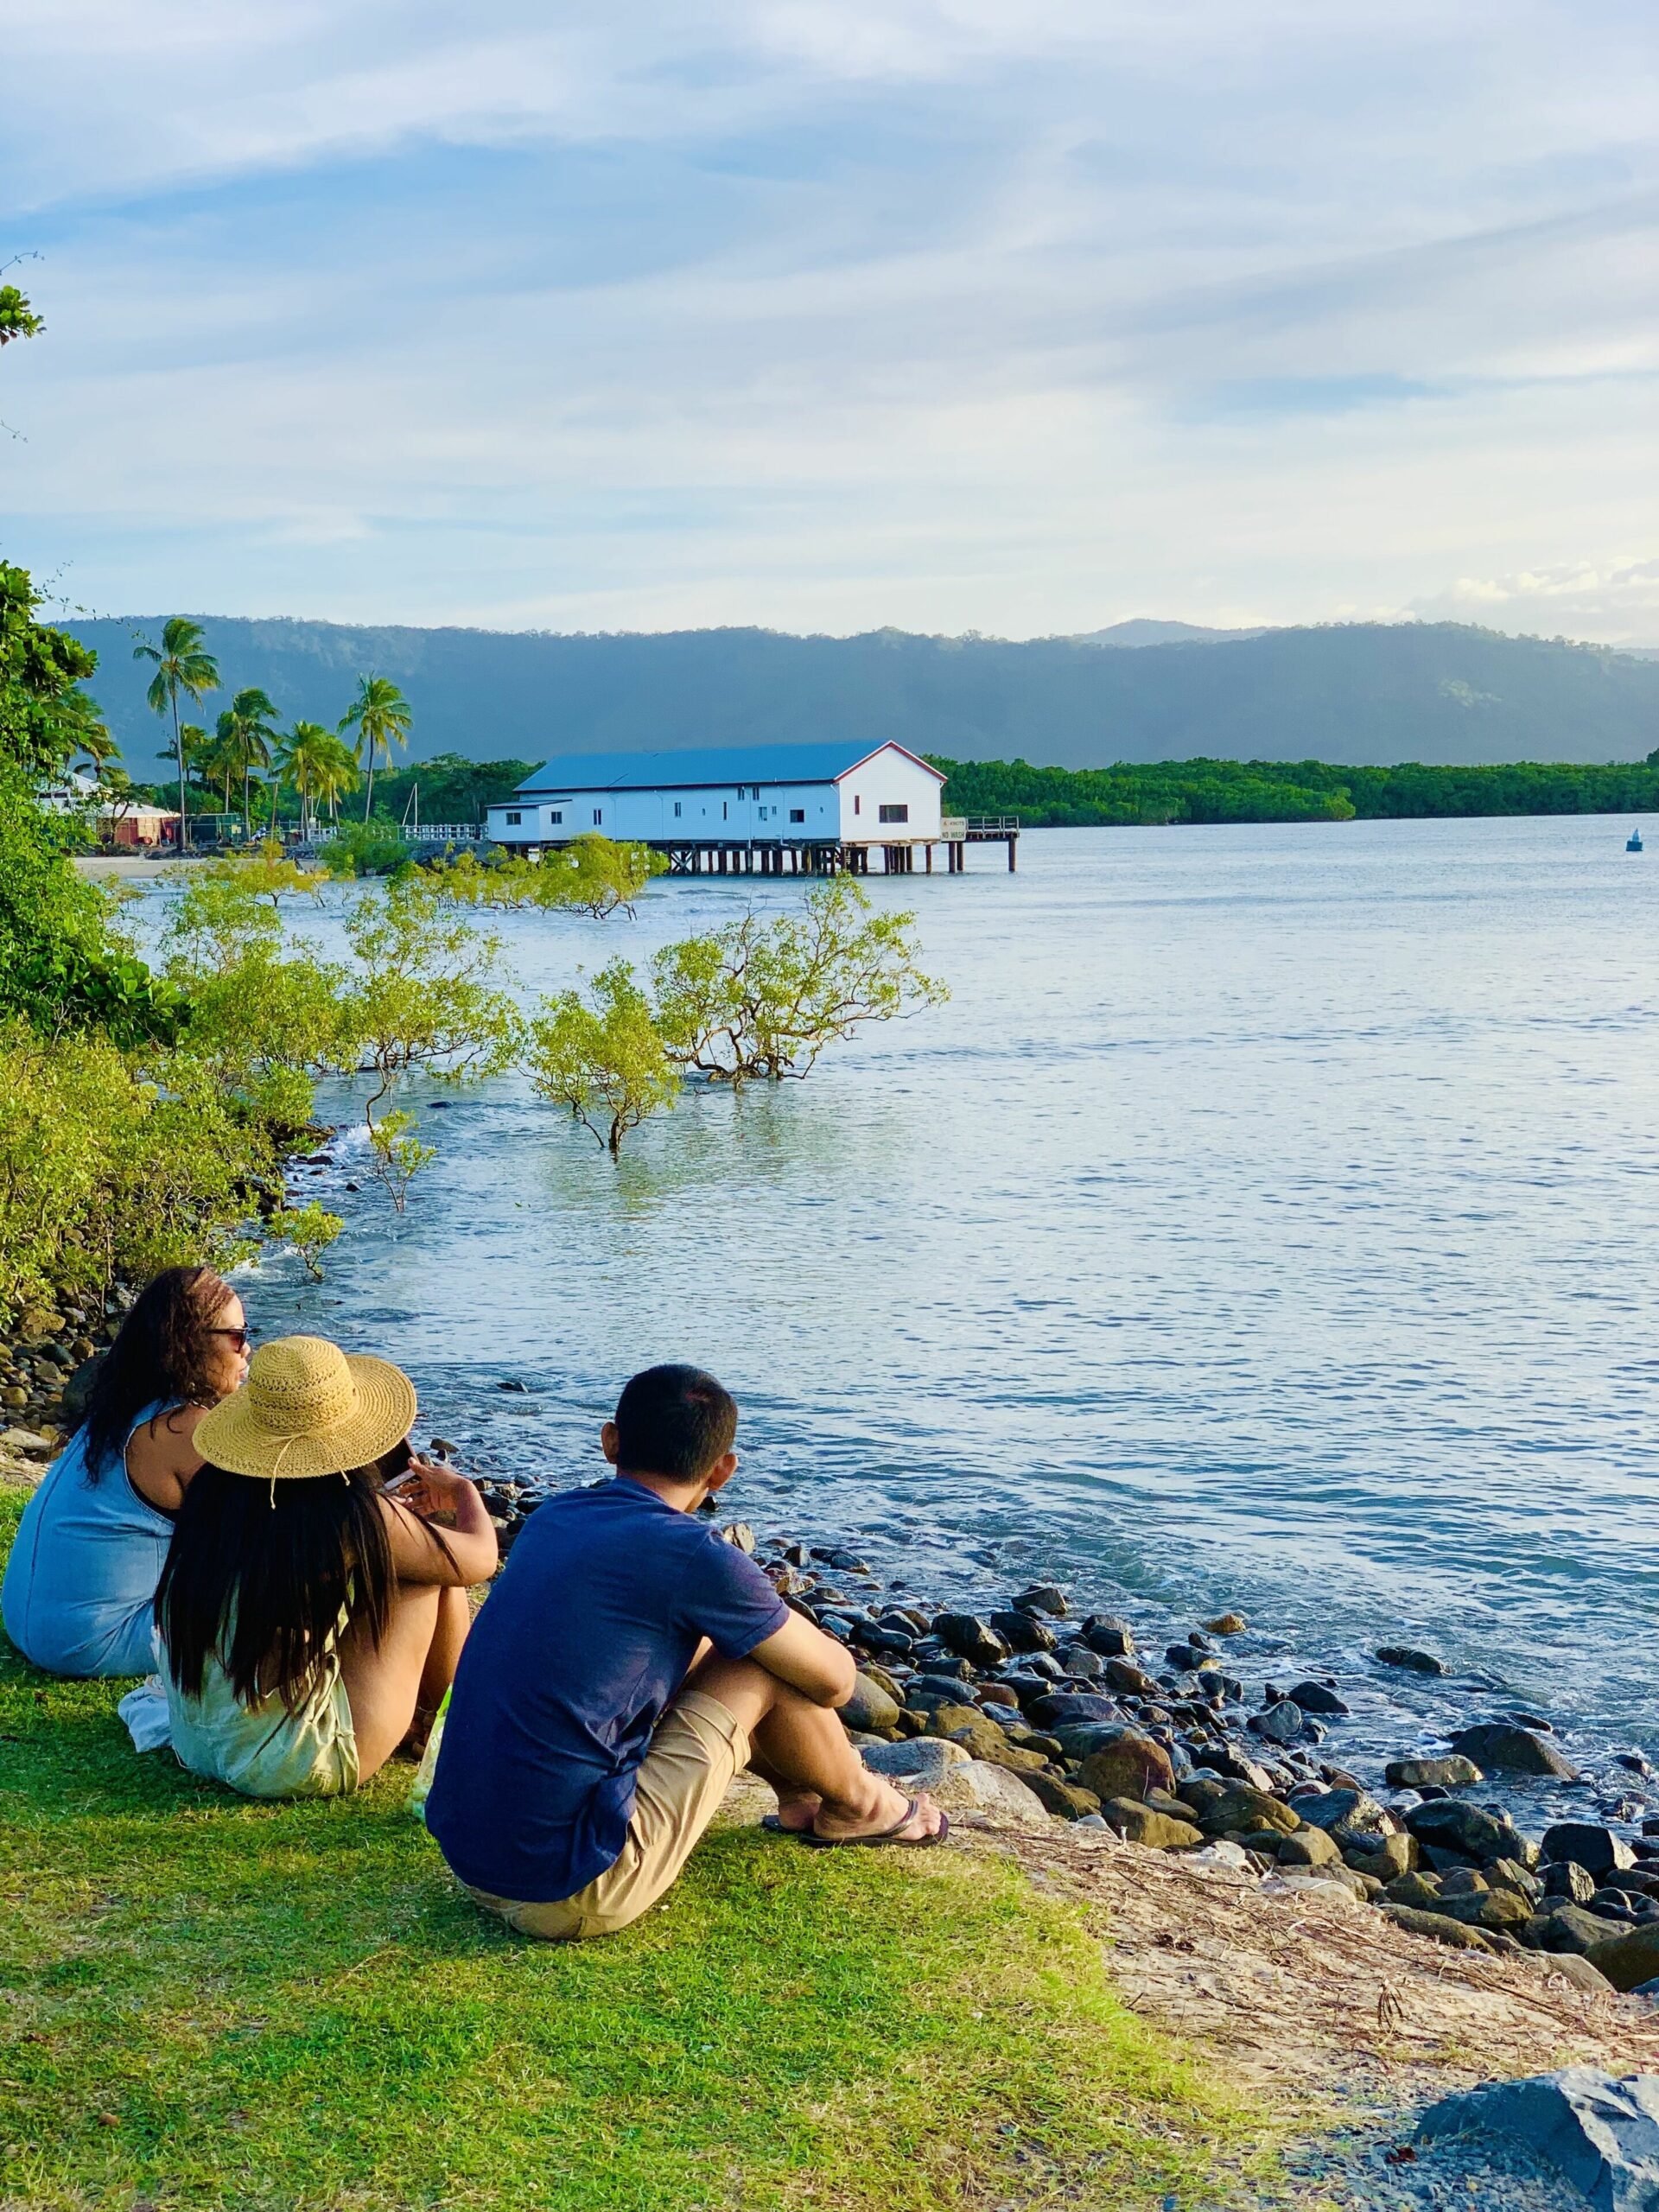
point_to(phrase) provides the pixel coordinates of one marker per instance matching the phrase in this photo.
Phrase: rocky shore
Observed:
(1033, 1713)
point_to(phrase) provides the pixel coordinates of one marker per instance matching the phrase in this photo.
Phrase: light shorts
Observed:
(697, 1748)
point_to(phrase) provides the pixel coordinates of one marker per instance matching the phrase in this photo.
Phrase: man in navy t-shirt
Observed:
(626, 1665)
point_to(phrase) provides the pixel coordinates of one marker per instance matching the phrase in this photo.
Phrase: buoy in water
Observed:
(1633, 842)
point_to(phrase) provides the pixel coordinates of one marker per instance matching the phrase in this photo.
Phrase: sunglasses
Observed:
(240, 1338)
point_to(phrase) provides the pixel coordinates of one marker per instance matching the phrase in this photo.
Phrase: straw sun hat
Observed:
(308, 1408)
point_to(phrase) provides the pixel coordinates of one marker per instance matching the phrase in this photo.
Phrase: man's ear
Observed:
(721, 1473)
(608, 1441)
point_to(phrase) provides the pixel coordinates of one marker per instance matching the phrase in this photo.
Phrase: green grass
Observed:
(210, 2003)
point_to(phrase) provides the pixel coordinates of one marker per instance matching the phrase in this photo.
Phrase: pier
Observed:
(781, 855)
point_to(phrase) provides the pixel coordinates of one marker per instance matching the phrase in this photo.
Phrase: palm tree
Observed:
(247, 730)
(82, 725)
(182, 664)
(381, 716)
(318, 764)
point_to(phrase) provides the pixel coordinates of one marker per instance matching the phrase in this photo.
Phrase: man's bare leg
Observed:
(803, 1752)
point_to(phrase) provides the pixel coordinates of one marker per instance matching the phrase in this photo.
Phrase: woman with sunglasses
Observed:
(80, 1583)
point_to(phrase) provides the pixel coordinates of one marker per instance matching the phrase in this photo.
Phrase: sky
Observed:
(1021, 316)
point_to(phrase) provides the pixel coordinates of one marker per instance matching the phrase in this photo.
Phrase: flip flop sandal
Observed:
(892, 1837)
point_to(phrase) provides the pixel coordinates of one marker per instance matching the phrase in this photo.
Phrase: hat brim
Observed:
(233, 1437)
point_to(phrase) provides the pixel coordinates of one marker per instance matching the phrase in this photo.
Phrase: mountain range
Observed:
(1350, 693)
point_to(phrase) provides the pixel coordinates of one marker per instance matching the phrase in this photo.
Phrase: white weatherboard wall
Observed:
(889, 777)
(847, 813)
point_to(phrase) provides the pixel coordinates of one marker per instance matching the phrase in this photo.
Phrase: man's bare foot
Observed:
(797, 1814)
(835, 1825)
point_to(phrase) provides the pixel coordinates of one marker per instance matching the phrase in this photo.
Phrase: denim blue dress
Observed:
(81, 1582)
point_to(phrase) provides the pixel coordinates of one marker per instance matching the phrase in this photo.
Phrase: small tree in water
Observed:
(761, 999)
(602, 1056)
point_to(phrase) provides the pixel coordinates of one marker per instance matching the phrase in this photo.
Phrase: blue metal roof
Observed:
(702, 766)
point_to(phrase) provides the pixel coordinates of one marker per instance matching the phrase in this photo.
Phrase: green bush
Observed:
(374, 847)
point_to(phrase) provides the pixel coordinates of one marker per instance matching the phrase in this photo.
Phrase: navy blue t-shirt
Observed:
(583, 1642)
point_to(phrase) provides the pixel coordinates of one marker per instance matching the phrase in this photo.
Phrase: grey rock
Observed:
(1111, 1638)
(991, 1794)
(1501, 1748)
(1043, 1598)
(1601, 2134)
(1439, 1926)
(1572, 1928)
(1313, 1697)
(1565, 1878)
(1071, 1709)
(1407, 1655)
(1023, 1632)
(1451, 1823)
(1352, 1816)
(870, 1706)
(1596, 1849)
(1452, 1773)
(1280, 1724)
(1080, 1663)
(973, 1638)
(925, 1759)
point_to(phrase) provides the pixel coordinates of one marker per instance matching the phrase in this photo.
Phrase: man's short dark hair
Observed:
(673, 1421)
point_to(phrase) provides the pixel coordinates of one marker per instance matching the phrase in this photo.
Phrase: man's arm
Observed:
(800, 1655)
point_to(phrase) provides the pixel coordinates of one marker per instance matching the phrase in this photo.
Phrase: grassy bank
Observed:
(210, 2003)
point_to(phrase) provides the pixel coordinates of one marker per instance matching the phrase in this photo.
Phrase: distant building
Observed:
(138, 827)
(845, 799)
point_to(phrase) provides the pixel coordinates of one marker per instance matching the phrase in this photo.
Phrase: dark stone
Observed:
(871, 1708)
(1345, 1813)
(1428, 1775)
(1082, 1664)
(1598, 1850)
(972, 1637)
(1109, 1636)
(1023, 1632)
(1071, 1709)
(1198, 1641)
(1509, 1874)
(1313, 1697)
(1280, 1724)
(79, 1388)
(1187, 1658)
(1044, 1598)
(938, 1689)
(1215, 1684)
(1438, 1925)
(1406, 1655)
(1127, 1767)
(1067, 1801)
(1076, 1743)
(1566, 1879)
(1628, 1959)
(1468, 1829)
(1134, 1681)
(1571, 1927)
(1600, 2135)
(1501, 1748)
(739, 1535)
(520, 1389)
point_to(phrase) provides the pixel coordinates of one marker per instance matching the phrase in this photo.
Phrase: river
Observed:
(1270, 1220)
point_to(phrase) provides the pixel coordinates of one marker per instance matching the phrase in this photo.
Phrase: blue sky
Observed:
(827, 313)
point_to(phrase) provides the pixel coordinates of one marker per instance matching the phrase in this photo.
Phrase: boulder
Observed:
(1395, 1855)
(1127, 1767)
(1242, 1810)
(1586, 1844)
(1071, 1709)
(1111, 1638)
(1565, 1878)
(1322, 1888)
(983, 1739)
(1421, 1892)
(1067, 1801)
(1501, 1748)
(1134, 1681)
(1408, 1656)
(946, 1719)
(1023, 1631)
(1078, 1743)
(1227, 1624)
(989, 1796)
(925, 1760)
(1280, 1724)
(1507, 1874)
(1452, 1773)
(1186, 1657)
(1571, 1927)
(1451, 1824)
(1309, 1847)
(1043, 1598)
(1439, 1926)
(1570, 1966)
(1081, 1664)
(1627, 1961)
(870, 1705)
(1314, 1697)
(1352, 1816)
(1497, 1911)
(1140, 1823)
(1599, 2134)
(972, 1638)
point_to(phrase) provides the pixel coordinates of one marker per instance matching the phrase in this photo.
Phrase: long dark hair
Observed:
(278, 1563)
(161, 1351)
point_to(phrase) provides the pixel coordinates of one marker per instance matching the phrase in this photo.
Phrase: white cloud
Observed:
(834, 312)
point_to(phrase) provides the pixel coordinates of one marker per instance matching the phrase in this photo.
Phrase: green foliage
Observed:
(18, 318)
(318, 764)
(1289, 791)
(452, 789)
(602, 1057)
(381, 718)
(104, 1172)
(183, 666)
(763, 998)
(264, 1015)
(423, 994)
(40, 714)
(366, 849)
(592, 874)
(247, 735)
(307, 1231)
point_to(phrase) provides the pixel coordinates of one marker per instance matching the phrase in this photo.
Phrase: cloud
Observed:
(933, 311)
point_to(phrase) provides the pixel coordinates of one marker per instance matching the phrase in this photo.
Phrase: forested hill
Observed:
(1361, 692)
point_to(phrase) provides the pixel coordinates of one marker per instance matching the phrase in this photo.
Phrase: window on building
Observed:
(762, 812)
(513, 820)
(722, 809)
(797, 814)
(556, 815)
(676, 809)
(858, 804)
(598, 816)
(895, 814)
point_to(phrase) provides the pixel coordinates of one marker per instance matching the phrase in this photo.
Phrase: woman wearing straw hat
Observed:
(306, 1614)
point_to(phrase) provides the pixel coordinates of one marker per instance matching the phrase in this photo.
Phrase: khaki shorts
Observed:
(696, 1749)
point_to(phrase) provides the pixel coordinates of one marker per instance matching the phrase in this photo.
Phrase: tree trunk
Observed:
(178, 748)
(368, 788)
(247, 807)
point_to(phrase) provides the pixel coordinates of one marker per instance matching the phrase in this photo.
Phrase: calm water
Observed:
(1270, 1220)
